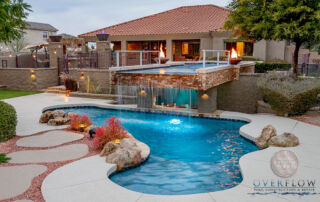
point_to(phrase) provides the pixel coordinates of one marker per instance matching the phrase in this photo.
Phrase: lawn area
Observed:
(5, 94)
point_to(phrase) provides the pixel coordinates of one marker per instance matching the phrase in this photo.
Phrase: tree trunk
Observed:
(295, 58)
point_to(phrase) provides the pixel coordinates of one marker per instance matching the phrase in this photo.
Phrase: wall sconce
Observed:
(55, 52)
(33, 75)
(10, 55)
(82, 76)
(143, 93)
(205, 96)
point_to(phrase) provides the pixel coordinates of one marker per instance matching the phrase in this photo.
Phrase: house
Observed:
(35, 33)
(184, 32)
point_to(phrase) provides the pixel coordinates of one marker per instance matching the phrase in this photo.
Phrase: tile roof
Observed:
(186, 19)
(41, 26)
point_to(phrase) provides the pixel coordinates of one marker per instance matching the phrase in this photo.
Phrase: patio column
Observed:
(124, 46)
(55, 51)
(207, 100)
(104, 54)
(169, 49)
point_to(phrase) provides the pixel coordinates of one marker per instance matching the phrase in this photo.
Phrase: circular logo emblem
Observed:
(284, 163)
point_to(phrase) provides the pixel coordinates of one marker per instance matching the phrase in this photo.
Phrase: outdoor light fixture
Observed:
(32, 76)
(68, 93)
(82, 76)
(10, 55)
(205, 96)
(162, 71)
(55, 52)
(143, 93)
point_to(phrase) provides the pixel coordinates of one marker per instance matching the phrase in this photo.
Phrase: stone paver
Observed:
(63, 153)
(15, 180)
(49, 139)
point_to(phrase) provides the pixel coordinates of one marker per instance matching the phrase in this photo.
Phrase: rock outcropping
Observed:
(56, 118)
(269, 137)
(129, 153)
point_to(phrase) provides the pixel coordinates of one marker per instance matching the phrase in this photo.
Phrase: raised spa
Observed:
(188, 155)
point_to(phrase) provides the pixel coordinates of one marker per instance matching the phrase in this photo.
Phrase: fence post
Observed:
(204, 59)
(140, 58)
(218, 58)
(118, 58)
(159, 58)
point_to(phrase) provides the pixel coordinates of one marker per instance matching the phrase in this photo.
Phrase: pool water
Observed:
(188, 155)
(188, 68)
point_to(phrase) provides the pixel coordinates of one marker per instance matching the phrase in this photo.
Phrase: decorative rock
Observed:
(58, 121)
(284, 140)
(124, 157)
(45, 117)
(58, 113)
(267, 132)
(109, 148)
(130, 153)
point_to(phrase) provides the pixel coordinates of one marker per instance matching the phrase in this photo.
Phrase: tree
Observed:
(17, 45)
(293, 20)
(12, 16)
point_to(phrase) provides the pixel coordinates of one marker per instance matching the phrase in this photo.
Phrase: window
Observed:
(45, 35)
(243, 48)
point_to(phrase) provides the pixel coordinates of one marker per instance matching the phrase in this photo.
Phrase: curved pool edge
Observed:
(118, 193)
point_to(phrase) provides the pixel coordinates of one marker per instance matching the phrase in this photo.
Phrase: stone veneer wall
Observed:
(99, 78)
(20, 78)
(240, 95)
(203, 81)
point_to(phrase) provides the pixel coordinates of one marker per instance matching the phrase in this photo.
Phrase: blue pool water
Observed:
(188, 68)
(188, 155)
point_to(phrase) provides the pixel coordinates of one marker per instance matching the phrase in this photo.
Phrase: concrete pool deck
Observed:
(87, 179)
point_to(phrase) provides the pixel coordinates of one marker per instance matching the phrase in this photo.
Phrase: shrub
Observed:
(3, 158)
(70, 83)
(265, 67)
(288, 96)
(111, 130)
(8, 121)
(249, 58)
(77, 120)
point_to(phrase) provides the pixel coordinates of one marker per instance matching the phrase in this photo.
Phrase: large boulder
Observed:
(124, 158)
(284, 140)
(58, 121)
(109, 148)
(268, 132)
(46, 116)
(58, 114)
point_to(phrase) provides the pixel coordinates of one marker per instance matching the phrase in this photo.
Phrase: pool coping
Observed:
(248, 131)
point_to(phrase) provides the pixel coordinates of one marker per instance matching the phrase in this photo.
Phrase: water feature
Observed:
(188, 155)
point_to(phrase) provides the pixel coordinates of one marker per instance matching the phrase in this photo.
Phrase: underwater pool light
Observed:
(175, 121)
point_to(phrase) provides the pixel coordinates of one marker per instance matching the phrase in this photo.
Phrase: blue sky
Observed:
(79, 16)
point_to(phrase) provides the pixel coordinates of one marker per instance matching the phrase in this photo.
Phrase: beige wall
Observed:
(20, 79)
(269, 50)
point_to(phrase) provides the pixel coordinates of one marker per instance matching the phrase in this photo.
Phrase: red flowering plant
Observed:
(80, 122)
(111, 130)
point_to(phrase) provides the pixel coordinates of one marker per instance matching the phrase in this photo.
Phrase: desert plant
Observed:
(80, 122)
(70, 83)
(8, 121)
(265, 67)
(288, 96)
(4, 158)
(111, 130)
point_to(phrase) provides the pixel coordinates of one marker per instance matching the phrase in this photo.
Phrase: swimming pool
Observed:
(187, 68)
(188, 155)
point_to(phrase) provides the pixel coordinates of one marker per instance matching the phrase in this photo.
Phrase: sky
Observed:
(80, 16)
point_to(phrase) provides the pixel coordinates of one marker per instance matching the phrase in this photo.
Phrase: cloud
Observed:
(79, 16)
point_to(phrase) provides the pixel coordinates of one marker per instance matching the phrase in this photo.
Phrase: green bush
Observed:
(265, 67)
(8, 121)
(3, 158)
(288, 96)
